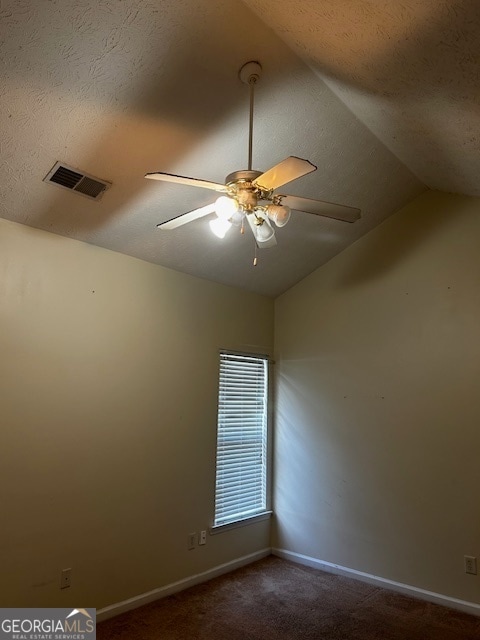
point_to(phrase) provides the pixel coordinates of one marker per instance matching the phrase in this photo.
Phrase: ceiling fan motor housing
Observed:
(242, 188)
(241, 176)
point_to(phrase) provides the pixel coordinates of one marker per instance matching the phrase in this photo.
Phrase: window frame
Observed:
(266, 512)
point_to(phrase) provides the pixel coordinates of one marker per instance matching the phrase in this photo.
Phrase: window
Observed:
(242, 428)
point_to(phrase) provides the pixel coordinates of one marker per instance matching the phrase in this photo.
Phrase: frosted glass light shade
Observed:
(264, 232)
(220, 226)
(279, 213)
(237, 218)
(225, 207)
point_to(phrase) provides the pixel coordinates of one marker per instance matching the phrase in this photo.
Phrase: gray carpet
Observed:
(277, 599)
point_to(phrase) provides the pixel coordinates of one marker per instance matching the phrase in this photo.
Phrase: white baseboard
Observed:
(144, 598)
(415, 592)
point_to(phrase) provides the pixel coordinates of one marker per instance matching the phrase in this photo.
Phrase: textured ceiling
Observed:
(381, 96)
(410, 70)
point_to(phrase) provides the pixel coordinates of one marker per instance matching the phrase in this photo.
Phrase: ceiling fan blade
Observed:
(192, 182)
(289, 169)
(178, 221)
(265, 244)
(319, 208)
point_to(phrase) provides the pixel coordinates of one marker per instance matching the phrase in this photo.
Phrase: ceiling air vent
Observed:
(75, 180)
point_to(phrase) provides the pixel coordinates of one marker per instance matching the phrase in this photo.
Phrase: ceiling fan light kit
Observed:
(249, 195)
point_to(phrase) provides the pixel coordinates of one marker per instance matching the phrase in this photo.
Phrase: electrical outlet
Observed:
(191, 541)
(66, 579)
(202, 538)
(470, 565)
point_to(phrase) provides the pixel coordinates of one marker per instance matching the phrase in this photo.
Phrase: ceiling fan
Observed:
(250, 195)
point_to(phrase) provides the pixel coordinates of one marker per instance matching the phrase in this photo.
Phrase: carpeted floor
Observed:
(276, 599)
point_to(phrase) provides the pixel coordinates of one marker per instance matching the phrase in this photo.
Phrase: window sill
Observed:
(219, 528)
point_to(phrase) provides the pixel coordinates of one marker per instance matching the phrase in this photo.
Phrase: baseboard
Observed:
(162, 592)
(415, 592)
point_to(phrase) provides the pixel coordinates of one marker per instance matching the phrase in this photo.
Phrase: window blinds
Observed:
(240, 490)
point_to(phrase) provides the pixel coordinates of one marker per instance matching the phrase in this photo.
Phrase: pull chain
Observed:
(255, 256)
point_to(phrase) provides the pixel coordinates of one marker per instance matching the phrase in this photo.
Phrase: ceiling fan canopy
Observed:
(251, 195)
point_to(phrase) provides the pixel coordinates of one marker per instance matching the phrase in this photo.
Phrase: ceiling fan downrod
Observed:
(250, 74)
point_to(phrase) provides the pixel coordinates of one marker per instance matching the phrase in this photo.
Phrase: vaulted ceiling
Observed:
(382, 97)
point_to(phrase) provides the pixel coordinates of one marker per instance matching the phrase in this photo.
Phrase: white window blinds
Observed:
(241, 477)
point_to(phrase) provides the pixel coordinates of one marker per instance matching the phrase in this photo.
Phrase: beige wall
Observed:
(378, 411)
(108, 375)
(108, 391)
